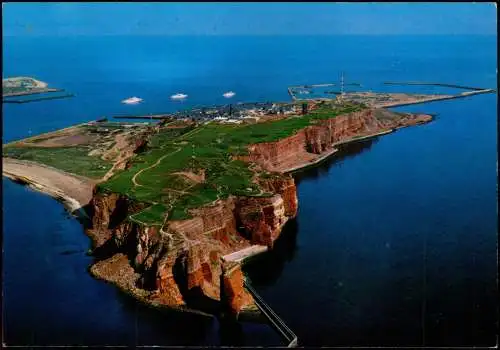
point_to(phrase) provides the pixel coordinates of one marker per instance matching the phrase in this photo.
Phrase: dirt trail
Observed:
(153, 165)
(75, 191)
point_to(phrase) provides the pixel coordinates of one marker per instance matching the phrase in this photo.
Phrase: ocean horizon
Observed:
(395, 240)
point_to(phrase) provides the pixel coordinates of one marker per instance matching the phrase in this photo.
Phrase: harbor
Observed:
(13, 89)
(303, 99)
(247, 112)
(305, 93)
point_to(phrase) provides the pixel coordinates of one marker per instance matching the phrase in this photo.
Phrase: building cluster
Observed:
(236, 113)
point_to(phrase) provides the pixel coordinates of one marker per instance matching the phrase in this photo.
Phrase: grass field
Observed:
(74, 160)
(209, 147)
(154, 174)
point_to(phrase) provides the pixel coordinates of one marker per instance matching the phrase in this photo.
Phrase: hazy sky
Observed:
(248, 18)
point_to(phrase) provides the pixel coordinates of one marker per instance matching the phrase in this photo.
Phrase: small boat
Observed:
(132, 100)
(229, 94)
(178, 96)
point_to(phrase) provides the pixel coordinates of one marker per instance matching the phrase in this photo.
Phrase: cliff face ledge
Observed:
(236, 296)
(182, 260)
(309, 143)
(108, 215)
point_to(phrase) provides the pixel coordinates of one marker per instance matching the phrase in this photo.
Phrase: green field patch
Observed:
(200, 196)
(121, 182)
(167, 135)
(209, 147)
(74, 160)
(179, 213)
(152, 215)
(152, 180)
(145, 194)
(178, 182)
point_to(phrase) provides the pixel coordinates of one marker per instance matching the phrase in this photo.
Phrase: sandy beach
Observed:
(74, 191)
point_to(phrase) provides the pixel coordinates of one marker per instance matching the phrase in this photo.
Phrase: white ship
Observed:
(178, 96)
(132, 100)
(229, 94)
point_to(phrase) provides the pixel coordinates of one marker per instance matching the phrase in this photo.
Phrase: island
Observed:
(26, 86)
(175, 207)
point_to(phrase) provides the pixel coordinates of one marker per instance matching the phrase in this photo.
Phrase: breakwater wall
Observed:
(451, 97)
(158, 116)
(432, 84)
(32, 92)
(37, 99)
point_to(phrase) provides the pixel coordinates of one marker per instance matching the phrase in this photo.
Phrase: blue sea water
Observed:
(395, 242)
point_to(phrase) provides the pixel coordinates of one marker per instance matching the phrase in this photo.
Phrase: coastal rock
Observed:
(235, 295)
(108, 213)
(270, 154)
(320, 138)
(284, 185)
(183, 259)
(262, 218)
(167, 289)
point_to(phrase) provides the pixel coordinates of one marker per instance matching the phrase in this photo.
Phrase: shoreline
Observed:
(73, 205)
(434, 99)
(70, 204)
(41, 90)
(75, 192)
(24, 173)
(139, 295)
(36, 99)
(326, 155)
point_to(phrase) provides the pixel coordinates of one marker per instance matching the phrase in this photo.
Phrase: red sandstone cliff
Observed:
(236, 297)
(323, 135)
(184, 257)
(108, 213)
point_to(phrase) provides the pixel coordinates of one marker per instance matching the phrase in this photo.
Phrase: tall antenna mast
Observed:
(342, 84)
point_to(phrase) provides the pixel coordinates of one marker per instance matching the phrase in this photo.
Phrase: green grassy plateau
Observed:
(154, 178)
(209, 148)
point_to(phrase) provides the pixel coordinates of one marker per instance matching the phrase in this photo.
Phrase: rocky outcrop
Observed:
(262, 218)
(323, 135)
(269, 154)
(108, 213)
(235, 295)
(285, 187)
(182, 260)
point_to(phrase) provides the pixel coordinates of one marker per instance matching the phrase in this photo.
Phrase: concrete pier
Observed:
(276, 322)
(153, 116)
(436, 98)
(432, 84)
(35, 99)
(246, 253)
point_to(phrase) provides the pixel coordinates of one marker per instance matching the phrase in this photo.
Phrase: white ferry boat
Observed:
(229, 94)
(132, 100)
(178, 96)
